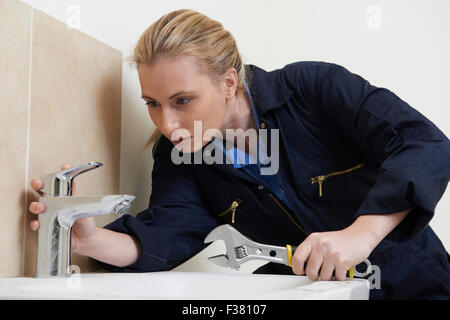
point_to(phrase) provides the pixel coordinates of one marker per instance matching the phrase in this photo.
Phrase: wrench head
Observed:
(221, 260)
(218, 233)
(226, 233)
(232, 239)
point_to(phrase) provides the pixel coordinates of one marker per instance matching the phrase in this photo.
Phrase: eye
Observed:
(187, 100)
(151, 103)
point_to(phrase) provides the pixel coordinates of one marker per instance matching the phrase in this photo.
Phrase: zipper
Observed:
(321, 179)
(287, 213)
(232, 208)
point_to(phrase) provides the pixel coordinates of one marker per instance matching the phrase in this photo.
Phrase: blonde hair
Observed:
(187, 32)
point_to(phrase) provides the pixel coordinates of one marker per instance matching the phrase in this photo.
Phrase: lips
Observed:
(175, 142)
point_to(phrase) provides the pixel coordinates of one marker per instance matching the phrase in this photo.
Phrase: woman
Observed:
(357, 174)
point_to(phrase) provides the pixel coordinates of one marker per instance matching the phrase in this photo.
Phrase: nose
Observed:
(169, 121)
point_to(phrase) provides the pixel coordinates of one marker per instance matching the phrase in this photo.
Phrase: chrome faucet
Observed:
(54, 254)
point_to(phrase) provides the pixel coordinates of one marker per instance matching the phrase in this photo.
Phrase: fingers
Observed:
(341, 272)
(318, 256)
(65, 166)
(38, 207)
(34, 225)
(314, 263)
(301, 254)
(37, 184)
(326, 271)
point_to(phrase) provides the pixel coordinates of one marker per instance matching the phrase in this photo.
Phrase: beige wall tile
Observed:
(75, 113)
(14, 73)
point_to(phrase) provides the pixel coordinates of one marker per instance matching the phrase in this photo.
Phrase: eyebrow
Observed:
(172, 96)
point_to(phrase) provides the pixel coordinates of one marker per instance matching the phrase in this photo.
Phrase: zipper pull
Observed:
(233, 210)
(320, 180)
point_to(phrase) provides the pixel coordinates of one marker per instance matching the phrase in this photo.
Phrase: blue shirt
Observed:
(251, 164)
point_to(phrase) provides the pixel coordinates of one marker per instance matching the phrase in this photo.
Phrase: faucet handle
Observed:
(60, 183)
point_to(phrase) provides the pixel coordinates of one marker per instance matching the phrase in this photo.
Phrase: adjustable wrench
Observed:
(240, 249)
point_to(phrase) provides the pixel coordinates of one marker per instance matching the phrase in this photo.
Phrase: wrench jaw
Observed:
(220, 260)
(232, 239)
(240, 249)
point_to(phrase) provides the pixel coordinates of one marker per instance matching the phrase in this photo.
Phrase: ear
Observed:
(231, 83)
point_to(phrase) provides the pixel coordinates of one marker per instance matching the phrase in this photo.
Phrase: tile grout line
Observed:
(27, 150)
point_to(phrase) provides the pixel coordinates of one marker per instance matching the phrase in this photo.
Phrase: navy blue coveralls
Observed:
(377, 153)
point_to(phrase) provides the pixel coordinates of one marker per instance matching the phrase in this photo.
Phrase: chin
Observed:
(189, 147)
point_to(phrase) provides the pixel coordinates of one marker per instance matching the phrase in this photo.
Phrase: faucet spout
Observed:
(54, 256)
(117, 204)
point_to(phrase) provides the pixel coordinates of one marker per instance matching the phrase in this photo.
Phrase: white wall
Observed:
(400, 45)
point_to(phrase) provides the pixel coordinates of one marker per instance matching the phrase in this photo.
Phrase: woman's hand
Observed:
(338, 251)
(328, 252)
(83, 229)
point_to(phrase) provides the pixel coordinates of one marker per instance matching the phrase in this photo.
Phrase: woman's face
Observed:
(177, 93)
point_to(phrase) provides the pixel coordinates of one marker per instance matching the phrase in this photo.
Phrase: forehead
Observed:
(181, 73)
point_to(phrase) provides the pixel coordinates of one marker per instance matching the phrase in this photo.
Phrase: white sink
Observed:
(181, 285)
